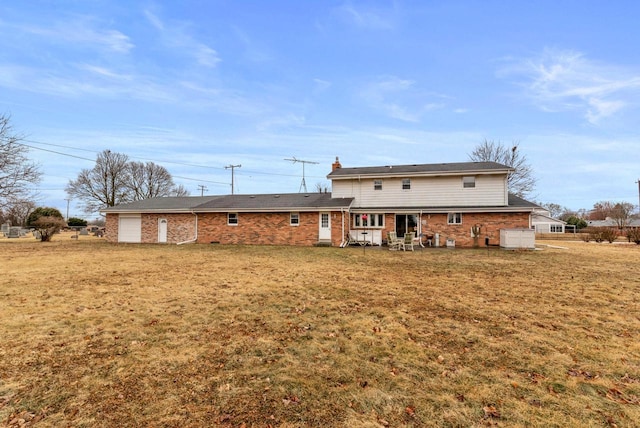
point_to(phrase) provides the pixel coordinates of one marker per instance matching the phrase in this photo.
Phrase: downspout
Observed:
(343, 243)
(190, 241)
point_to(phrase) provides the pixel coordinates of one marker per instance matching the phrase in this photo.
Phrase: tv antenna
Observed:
(303, 184)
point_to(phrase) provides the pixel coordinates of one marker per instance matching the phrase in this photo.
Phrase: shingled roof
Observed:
(275, 202)
(225, 203)
(420, 169)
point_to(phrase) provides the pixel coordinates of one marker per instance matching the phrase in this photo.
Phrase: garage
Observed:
(130, 228)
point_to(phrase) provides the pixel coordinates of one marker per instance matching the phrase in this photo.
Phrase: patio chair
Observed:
(407, 242)
(393, 241)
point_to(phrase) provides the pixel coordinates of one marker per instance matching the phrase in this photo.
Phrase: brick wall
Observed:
(274, 228)
(490, 225)
(266, 229)
(111, 228)
(180, 227)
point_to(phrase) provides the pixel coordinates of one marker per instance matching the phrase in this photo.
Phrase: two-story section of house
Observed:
(465, 203)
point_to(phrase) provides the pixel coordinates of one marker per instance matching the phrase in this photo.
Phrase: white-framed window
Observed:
(368, 220)
(406, 183)
(294, 219)
(454, 218)
(377, 184)
(232, 219)
(468, 181)
(555, 228)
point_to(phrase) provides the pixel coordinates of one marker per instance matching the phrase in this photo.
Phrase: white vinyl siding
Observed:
(130, 228)
(490, 190)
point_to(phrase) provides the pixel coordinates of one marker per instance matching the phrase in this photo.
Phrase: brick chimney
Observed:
(336, 165)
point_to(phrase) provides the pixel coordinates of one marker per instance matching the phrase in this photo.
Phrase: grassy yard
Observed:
(105, 335)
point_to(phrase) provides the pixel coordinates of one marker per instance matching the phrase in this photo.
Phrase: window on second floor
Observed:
(469, 181)
(377, 184)
(406, 183)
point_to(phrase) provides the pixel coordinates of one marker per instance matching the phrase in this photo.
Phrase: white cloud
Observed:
(321, 85)
(399, 98)
(568, 80)
(366, 16)
(78, 31)
(176, 37)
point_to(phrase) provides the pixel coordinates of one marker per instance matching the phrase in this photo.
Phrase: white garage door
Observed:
(130, 229)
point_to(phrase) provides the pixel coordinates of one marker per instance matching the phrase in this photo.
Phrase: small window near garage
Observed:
(232, 219)
(454, 218)
(555, 228)
(469, 181)
(294, 219)
(406, 184)
(377, 184)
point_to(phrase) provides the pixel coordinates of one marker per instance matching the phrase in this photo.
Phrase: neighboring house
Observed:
(463, 202)
(544, 223)
(609, 222)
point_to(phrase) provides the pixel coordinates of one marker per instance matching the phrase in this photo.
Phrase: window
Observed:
(368, 220)
(377, 184)
(555, 228)
(294, 219)
(406, 183)
(454, 218)
(469, 181)
(232, 219)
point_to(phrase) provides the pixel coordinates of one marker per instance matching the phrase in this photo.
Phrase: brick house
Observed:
(463, 202)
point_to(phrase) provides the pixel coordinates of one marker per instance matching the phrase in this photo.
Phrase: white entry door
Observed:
(162, 230)
(325, 227)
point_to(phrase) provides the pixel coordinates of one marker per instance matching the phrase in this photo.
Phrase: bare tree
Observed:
(521, 181)
(115, 180)
(555, 210)
(105, 185)
(149, 180)
(621, 214)
(17, 172)
(17, 213)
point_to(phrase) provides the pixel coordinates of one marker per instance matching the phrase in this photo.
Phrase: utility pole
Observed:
(202, 188)
(67, 199)
(638, 182)
(294, 160)
(232, 167)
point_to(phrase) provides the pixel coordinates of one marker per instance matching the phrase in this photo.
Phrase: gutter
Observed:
(191, 241)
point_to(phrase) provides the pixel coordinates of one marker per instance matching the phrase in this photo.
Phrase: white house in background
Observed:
(542, 222)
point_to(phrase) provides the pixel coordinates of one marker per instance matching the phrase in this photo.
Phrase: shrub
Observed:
(42, 212)
(610, 234)
(74, 221)
(47, 226)
(633, 235)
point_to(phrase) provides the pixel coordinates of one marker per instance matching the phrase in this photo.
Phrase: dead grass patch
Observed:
(207, 335)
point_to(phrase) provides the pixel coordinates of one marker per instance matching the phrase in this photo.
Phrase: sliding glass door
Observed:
(406, 223)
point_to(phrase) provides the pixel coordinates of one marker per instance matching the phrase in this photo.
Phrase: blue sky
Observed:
(198, 85)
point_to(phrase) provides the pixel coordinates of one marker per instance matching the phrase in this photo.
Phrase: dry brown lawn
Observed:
(94, 334)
